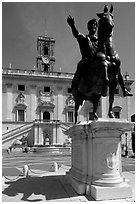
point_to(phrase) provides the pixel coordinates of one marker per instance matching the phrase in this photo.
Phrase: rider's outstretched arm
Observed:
(71, 23)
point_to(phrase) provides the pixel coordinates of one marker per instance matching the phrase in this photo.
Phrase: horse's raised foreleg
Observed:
(112, 88)
(121, 82)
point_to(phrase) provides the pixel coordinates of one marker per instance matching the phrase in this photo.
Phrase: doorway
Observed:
(47, 137)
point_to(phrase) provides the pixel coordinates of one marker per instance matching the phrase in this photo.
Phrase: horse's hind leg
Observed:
(112, 89)
(76, 111)
(95, 107)
(95, 100)
(76, 115)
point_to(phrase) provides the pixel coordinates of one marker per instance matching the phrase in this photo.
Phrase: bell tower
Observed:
(45, 58)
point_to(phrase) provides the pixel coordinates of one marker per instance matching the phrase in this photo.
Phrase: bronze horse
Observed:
(102, 70)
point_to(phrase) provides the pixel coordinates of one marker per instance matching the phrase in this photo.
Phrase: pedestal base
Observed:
(96, 159)
(124, 191)
(107, 193)
(78, 186)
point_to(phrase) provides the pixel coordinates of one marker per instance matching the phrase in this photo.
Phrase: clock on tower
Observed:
(45, 48)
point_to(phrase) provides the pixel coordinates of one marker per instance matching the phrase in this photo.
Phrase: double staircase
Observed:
(10, 136)
(17, 132)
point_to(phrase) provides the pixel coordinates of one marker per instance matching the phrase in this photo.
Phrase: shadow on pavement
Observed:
(52, 187)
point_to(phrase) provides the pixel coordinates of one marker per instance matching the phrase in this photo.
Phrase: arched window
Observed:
(117, 110)
(46, 116)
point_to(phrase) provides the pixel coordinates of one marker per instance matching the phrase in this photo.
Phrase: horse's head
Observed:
(105, 24)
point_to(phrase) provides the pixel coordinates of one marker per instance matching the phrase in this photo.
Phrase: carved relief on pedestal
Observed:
(112, 160)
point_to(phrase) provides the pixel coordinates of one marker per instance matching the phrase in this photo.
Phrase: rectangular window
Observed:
(21, 117)
(47, 89)
(21, 87)
(70, 117)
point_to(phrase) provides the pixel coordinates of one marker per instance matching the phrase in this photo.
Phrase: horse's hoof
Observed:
(111, 115)
(127, 93)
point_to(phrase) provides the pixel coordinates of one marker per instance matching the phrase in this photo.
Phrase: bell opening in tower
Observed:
(45, 50)
(46, 68)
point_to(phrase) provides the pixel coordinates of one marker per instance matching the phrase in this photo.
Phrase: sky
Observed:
(23, 22)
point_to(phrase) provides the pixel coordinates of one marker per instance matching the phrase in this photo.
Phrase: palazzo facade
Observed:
(38, 103)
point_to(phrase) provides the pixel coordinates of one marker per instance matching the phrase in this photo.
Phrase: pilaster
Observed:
(33, 102)
(9, 101)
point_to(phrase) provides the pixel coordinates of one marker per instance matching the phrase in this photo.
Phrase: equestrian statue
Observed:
(99, 67)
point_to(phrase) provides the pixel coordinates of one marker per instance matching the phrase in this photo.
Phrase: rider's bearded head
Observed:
(92, 26)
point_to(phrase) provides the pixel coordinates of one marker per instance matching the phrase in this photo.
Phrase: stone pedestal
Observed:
(96, 159)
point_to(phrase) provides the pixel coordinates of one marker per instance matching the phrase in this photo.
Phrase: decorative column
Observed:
(9, 102)
(96, 159)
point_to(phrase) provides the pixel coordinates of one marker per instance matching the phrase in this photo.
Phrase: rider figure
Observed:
(87, 45)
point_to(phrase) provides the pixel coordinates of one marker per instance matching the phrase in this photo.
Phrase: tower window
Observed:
(47, 89)
(46, 68)
(21, 87)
